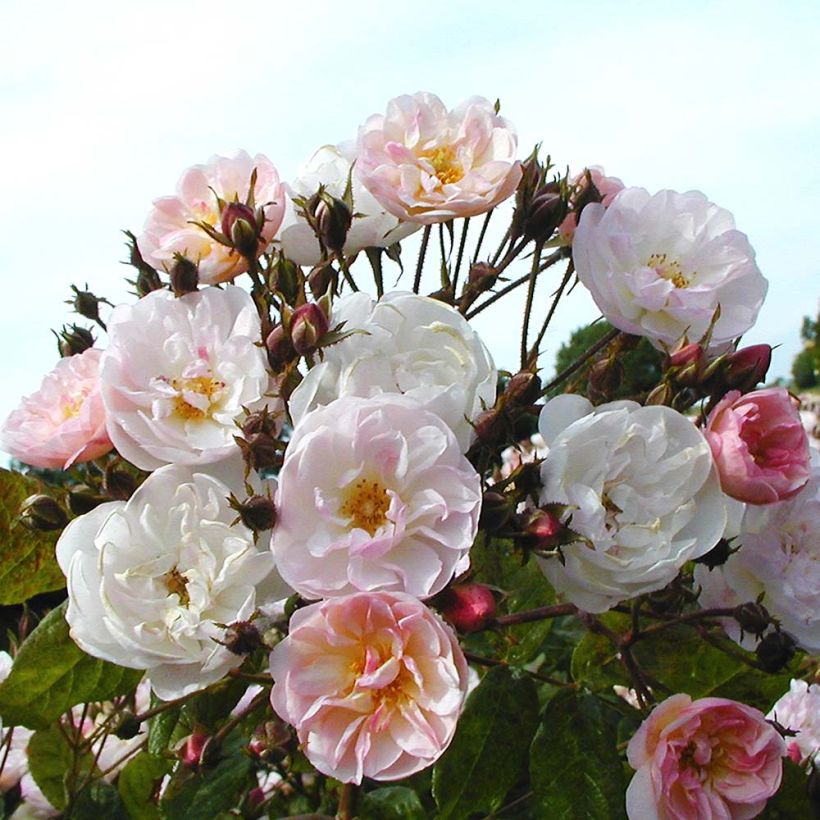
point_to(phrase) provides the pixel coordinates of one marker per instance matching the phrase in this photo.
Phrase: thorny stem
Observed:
(525, 327)
(129, 754)
(517, 802)
(213, 744)
(581, 360)
(460, 254)
(346, 272)
(500, 247)
(481, 233)
(159, 709)
(445, 257)
(482, 661)
(425, 238)
(6, 746)
(558, 294)
(541, 613)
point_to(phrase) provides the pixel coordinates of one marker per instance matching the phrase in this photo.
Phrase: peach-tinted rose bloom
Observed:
(708, 758)
(373, 682)
(63, 423)
(426, 164)
(170, 227)
(759, 445)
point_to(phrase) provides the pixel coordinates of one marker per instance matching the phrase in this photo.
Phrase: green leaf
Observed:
(99, 800)
(51, 674)
(137, 782)
(216, 789)
(391, 803)
(51, 759)
(792, 799)
(489, 750)
(575, 768)
(682, 661)
(27, 563)
(162, 729)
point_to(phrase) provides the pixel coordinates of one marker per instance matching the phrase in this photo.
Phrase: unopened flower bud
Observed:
(747, 367)
(83, 499)
(127, 725)
(41, 512)
(488, 426)
(523, 388)
(482, 276)
(496, 510)
(257, 513)
(662, 394)
(332, 219)
(688, 354)
(320, 279)
(184, 276)
(717, 556)
(260, 421)
(686, 366)
(119, 484)
(190, 752)
(279, 347)
(240, 226)
(307, 327)
(260, 451)
(774, 651)
(268, 741)
(73, 340)
(468, 607)
(544, 529)
(86, 303)
(752, 617)
(547, 209)
(242, 638)
(604, 379)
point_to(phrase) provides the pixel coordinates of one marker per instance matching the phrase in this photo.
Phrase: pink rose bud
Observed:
(759, 445)
(544, 529)
(748, 367)
(279, 347)
(191, 750)
(708, 758)
(688, 354)
(468, 607)
(240, 226)
(307, 327)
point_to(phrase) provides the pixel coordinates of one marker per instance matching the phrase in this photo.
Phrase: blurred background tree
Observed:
(806, 365)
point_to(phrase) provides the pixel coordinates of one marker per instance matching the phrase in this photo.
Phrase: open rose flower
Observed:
(778, 554)
(178, 372)
(412, 345)
(372, 227)
(63, 423)
(374, 494)
(607, 187)
(659, 266)
(799, 712)
(373, 682)
(426, 164)
(171, 226)
(641, 493)
(150, 580)
(759, 445)
(708, 758)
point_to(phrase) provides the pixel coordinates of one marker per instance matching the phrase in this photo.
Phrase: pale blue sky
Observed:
(104, 104)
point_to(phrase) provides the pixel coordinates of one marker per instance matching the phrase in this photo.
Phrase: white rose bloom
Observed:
(178, 372)
(778, 555)
(16, 761)
(150, 579)
(799, 711)
(642, 494)
(374, 494)
(659, 266)
(413, 345)
(373, 228)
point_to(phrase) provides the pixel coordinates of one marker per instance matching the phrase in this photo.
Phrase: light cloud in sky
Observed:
(106, 103)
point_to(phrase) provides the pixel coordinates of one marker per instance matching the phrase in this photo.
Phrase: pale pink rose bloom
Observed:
(708, 758)
(169, 228)
(63, 423)
(179, 372)
(374, 494)
(426, 164)
(373, 682)
(608, 187)
(799, 711)
(760, 447)
(660, 265)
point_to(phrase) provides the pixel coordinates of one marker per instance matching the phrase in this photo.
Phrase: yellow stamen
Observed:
(669, 269)
(444, 164)
(366, 504)
(177, 583)
(203, 385)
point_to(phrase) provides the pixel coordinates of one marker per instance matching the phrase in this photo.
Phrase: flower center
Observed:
(72, 407)
(195, 396)
(444, 164)
(668, 269)
(177, 584)
(366, 503)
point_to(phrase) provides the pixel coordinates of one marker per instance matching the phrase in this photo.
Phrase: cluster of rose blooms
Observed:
(371, 412)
